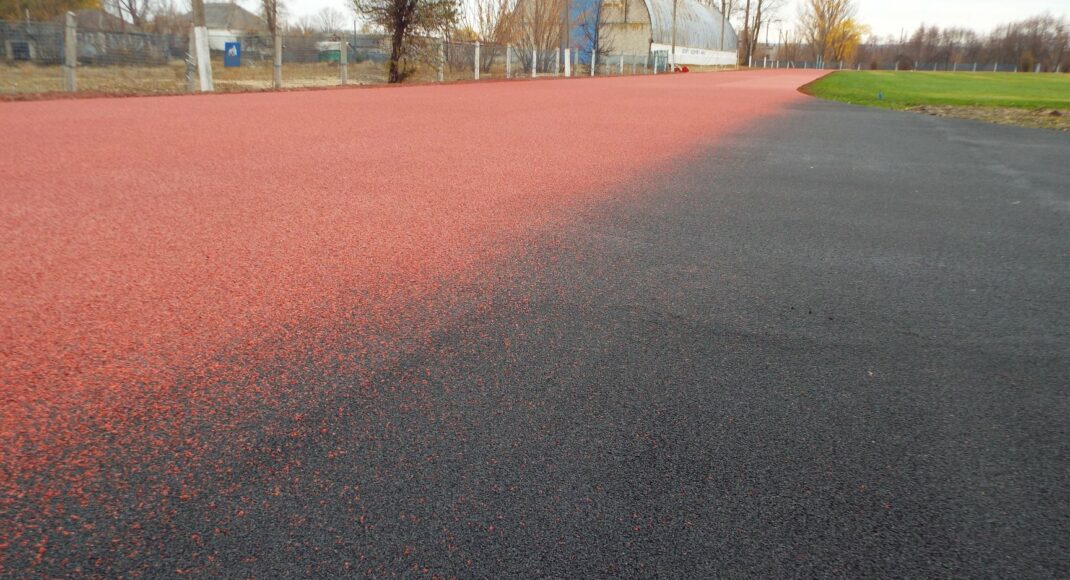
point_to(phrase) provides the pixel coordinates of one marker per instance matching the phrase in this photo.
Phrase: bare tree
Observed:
(534, 26)
(135, 11)
(406, 21)
(492, 23)
(598, 36)
(273, 12)
(330, 20)
(166, 18)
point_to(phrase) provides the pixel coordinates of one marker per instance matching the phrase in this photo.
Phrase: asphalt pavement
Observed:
(835, 344)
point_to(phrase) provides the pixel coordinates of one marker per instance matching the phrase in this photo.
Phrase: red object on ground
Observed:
(141, 237)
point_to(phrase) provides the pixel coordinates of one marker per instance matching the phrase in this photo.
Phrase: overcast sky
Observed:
(883, 16)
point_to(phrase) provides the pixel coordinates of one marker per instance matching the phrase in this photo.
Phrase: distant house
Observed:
(228, 22)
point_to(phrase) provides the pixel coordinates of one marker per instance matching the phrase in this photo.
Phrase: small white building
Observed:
(703, 35)
(228, 22)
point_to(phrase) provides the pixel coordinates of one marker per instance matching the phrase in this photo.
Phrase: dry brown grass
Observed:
(24, 78)
(30, 81)
(1038, 118)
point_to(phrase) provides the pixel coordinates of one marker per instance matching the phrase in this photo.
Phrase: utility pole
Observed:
(722, 24)
(673, 63)
(566, 30)
(200, 35)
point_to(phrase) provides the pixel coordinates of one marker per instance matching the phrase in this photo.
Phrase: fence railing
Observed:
(44, 57)
(902, 65)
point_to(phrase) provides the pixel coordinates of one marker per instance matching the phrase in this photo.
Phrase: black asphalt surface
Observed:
(836, 346)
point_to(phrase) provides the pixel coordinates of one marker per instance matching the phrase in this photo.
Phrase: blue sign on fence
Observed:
(232, 54)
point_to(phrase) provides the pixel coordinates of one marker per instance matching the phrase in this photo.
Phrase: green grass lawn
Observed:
(910, 89)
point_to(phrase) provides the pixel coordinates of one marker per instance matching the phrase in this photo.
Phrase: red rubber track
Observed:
(141, 236)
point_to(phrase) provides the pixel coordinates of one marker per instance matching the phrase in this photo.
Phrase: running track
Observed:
(307, 333)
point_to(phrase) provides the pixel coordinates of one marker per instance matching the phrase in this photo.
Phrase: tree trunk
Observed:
(395, 55)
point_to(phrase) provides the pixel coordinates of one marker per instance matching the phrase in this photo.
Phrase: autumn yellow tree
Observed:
(844, 39)
(41, 9)
(830, 28)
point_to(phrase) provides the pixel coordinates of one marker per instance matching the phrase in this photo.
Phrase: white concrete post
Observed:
(622, 64)
(655, 55)
(508, 61)
(70, 53)
(975, 67)
(204, 60)
(557, 60)
(995, 67)
(476, 63)
(594, 54)
(277, 63)
(568, 62)
(343, 61)
(534, 62)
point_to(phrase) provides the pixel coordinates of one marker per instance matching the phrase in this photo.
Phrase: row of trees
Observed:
(829, 31)
(1040, 41)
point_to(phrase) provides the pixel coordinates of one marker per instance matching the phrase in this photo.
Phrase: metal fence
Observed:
(44, 57)
(903, 65)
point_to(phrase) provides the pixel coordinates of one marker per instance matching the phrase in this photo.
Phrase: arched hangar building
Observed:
(639, 27)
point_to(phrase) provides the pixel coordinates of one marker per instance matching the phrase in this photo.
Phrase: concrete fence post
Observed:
(975, 67)
(508, 61)
(343, 61)
(442, 60)
(594, 56)
(475, 64)
(621, 64)
(70, 53)
(204, 60)
(568, 62)
(995, 67)
(557, 61)
(534, 62)
(277, 61)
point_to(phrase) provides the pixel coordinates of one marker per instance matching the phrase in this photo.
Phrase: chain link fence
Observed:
(902, 65)
(65, 55)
